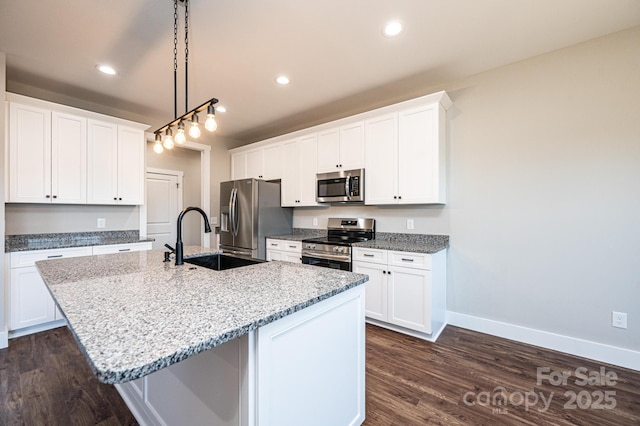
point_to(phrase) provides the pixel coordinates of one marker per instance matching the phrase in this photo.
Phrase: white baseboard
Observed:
(4, 339)
(583, 348)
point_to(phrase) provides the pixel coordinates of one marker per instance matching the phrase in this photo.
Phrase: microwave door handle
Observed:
(346, 187)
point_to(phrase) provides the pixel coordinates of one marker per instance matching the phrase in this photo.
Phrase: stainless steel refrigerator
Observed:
(249, 212)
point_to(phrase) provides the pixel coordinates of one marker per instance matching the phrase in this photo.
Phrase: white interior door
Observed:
(164, 203)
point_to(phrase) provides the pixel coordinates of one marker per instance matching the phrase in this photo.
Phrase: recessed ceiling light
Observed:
(221, 108)
(392, 29)
(283, 80)
(106, 69)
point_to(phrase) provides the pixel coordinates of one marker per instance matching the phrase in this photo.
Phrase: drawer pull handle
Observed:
(292, 246)
(407, 260)
(367, 255)
(274, 244)
(53, 256)
(125, 249)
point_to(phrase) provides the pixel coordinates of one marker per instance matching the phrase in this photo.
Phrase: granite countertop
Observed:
(417, 243)
(29, 242)
(300, 234)
(132, 314)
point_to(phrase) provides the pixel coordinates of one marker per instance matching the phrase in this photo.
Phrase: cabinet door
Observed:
(255, 164)
(290, 183)
(328, 151)
(272, 164)
(410, 298)
(381, 160)
(352, 146)
(275, 255)
(293, 257)
(308, 170)
(102, 149)
(239, 165)
(29, 154)
(418, 155)
(68, 159)
(375, 289)
(130, 166)
(31, 303)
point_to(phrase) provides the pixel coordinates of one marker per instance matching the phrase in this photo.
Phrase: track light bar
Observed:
(186, 116)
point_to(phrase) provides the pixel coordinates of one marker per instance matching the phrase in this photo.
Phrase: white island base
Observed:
(307, 368)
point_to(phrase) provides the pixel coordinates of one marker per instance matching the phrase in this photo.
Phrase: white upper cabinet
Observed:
(59, 154)
(381, 160)
(68, 158)
(341, 148)
(299, 175)
(116, 164)
(130, 166)
(103, 163)
(402, 148)
(47, 156)
(405, 156)
(260, 163)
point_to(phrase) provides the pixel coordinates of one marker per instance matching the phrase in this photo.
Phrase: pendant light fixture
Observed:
(190, 116)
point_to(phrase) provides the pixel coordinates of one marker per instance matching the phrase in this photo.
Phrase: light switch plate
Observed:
(214, 220)
(315, 221)
(410, 224)
(102, 222)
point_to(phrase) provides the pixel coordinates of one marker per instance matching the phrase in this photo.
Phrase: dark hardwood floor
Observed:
(467, 378)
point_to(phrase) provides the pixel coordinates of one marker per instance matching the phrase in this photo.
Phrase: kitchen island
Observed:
(268, 344)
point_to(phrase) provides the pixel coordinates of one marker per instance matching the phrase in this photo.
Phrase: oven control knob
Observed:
(338, 249)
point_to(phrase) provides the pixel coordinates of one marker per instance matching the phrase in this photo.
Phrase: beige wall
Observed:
(544, 193)
(188, 162)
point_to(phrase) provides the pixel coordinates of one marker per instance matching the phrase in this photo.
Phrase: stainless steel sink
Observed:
(220, 262)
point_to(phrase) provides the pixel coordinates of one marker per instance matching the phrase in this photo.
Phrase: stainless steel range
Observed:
(334, 250)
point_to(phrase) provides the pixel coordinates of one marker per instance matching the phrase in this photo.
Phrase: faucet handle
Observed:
(170, 248)
(166, 256)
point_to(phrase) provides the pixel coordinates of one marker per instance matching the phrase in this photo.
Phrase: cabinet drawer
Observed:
(369, 255)
(29, 258)
(410, 260)
(293, 246)
(121, 248)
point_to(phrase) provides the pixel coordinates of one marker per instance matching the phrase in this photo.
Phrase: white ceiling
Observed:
(333, 51)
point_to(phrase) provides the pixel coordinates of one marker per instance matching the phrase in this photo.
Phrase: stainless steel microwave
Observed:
(345, 186)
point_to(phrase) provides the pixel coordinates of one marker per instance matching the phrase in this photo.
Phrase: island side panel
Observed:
(311, 365)
(204, 389)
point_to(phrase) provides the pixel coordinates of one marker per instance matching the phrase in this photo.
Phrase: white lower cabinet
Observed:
(406, 292)
(31, 307)
(30, 303)
(287, 251)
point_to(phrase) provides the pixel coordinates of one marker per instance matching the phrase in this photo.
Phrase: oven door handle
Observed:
(327, 256)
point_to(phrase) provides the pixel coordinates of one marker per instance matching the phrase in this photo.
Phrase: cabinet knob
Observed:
(115, 198)
(389, 272)
(384, 272)
(47, 196)
(55, 196)
(120, 199)
(395, 197)
(340, 165)
(337, 165)
(399, 197)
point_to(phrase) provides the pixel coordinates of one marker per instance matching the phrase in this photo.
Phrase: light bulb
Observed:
(168, 139)
(180, 138)
(157, 147)
(194, 131)
(211, 124)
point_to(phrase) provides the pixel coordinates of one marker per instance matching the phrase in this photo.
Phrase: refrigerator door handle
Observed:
(236, 218)
(231, 208)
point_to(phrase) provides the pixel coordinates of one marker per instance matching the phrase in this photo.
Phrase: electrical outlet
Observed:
(102, 222)
(619, 319)
(315, 221)
(214, 220)
(410, 224)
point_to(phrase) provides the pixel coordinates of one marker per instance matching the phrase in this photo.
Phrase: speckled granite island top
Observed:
(132, 314)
